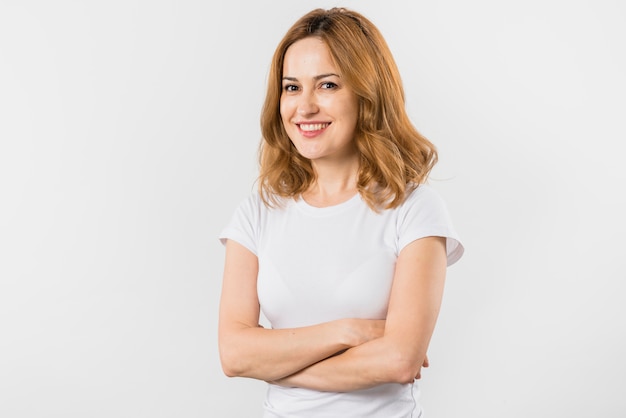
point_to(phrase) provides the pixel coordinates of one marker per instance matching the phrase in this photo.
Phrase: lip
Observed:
(313, 128)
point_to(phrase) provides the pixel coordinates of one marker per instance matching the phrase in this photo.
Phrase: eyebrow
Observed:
(317, 77)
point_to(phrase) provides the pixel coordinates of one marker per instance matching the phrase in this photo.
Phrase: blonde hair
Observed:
(393, 156)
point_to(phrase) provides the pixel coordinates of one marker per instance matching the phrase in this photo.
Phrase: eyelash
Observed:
(290, 88)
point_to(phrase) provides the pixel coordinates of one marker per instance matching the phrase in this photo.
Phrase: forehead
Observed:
(307, 56)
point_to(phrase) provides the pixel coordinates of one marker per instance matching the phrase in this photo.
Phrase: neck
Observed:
(335, 182)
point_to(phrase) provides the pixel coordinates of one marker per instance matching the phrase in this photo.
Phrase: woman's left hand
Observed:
(424, 364)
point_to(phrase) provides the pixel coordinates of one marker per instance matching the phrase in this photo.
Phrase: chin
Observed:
(310, 154)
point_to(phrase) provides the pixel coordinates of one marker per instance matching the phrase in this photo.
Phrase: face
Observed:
(319, 111)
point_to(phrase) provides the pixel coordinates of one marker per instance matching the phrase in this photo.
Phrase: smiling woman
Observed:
(319, 110)
(344, 248)
(392, 153)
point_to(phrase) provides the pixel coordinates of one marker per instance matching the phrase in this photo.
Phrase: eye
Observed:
(290, 88)
(328, 85)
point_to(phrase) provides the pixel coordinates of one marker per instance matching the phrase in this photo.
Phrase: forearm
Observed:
(248, 350)
(270, 354)
(371, 364)
(398, 355)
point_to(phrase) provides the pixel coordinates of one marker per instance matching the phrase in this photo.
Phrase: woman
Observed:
(344, 248)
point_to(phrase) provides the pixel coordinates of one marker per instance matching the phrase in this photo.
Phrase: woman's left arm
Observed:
(398, 355)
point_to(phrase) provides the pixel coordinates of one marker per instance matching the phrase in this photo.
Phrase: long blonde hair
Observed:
(394, 156)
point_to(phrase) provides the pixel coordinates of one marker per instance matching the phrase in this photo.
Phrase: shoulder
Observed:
(425, 213)
(249, 204)
(422, 196)
(245, 222)
(255, 206)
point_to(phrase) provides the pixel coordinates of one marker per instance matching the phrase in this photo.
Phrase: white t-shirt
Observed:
(322, 264)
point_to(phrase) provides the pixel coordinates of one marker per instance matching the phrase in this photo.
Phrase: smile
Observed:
(312, 127)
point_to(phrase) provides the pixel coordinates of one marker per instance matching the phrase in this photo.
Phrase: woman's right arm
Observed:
(248, 350)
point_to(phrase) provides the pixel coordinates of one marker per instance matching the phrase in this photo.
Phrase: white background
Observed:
(129, 132)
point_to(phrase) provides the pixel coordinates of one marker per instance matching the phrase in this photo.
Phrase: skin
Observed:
(315, 93)
(248, 350)
(320, 113)
(398, 355)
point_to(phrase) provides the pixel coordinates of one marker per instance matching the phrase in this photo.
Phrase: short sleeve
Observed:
(244, 224)
(425, 214)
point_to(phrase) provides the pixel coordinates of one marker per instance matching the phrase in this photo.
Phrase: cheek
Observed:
(281, 109)
(351, 111)
(285, 116)
(285, 107)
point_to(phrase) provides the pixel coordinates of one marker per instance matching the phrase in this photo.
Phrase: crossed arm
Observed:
(372, 352)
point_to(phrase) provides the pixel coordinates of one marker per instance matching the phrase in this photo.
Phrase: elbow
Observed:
(238, 361)
(231, 363)
(403, 372)
(229, 369)
(402, 368)
(230, 372)
(233, 369)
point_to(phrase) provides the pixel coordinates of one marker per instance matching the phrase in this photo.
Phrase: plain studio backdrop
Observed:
(129, 133)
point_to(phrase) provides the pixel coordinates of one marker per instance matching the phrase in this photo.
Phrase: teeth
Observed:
(313, 126)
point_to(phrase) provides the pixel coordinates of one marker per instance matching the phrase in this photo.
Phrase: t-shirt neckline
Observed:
(327, 210)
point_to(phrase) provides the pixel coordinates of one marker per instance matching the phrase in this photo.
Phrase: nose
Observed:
(307, 104)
